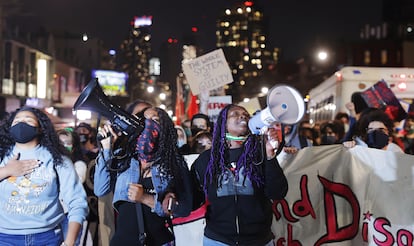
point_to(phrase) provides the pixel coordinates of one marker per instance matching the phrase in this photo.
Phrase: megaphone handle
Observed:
(281, 141)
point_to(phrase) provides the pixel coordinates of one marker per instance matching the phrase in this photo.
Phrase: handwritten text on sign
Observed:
(207, 72)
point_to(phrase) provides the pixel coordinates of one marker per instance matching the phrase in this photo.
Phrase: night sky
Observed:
(295, 25)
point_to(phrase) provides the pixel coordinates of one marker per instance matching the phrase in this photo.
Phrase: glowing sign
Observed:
(142, 21)
(112, 82)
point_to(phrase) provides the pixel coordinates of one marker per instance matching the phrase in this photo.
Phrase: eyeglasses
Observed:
(384, 130)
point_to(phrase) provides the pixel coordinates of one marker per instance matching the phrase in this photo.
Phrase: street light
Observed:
(322, 55)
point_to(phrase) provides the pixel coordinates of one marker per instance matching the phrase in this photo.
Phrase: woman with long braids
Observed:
(34, 173)
(157, 180)
(240, 177)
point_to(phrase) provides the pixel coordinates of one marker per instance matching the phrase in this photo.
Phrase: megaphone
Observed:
(94, 99)
(284, 105)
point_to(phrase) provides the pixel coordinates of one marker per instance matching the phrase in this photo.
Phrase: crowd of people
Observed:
(72, 188)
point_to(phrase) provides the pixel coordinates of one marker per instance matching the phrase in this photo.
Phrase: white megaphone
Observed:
(284, 105)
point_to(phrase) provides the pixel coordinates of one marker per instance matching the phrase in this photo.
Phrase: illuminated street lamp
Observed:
(322, 55)
(163, 96)
(85, 37)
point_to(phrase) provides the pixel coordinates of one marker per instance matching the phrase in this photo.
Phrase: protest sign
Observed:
(215, 105)
(207, 72)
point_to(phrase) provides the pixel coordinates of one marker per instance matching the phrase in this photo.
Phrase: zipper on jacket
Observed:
(237, 221)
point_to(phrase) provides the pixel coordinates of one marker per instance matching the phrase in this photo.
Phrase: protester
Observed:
(34, 173)
(201, 142)
(87, 138)
(376, 131)
(239, 179)
(200, 122)
(408, 134)
(70, 140)
(332, 132)
(190, 229)
(156, 177)
(183, 146)
(89, 150)
(186, 125)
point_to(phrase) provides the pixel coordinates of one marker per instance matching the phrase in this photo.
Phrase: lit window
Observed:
(367, 57)
(384, 57)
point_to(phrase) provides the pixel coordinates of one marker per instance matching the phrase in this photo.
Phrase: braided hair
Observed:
(219, 155)
(167, 156)
(48, 137)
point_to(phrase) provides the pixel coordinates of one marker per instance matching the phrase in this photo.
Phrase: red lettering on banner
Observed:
(403, 237)
(335, 234)
(379, 227)
(304, 207)
(285, 208)
(365, 231)
(291, 242)
(408, 238)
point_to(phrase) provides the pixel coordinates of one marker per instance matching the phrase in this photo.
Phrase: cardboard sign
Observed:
(207, 72)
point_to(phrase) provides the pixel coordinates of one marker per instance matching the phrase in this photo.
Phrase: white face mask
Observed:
(180, 142)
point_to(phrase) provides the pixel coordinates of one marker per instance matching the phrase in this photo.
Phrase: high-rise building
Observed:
(134, 56)
(242, 34)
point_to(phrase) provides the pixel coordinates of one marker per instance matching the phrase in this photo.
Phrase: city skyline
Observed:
(294, 26)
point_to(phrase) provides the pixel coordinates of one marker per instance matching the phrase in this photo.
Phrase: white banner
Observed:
(358, 196)
(340, 196)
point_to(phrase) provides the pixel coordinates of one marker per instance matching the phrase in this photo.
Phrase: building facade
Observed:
(242, 34)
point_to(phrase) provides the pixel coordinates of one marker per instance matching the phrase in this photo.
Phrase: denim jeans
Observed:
(65, 226)
(210, 242)
(48, 238)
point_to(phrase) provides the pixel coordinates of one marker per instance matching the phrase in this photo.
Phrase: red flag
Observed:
(192, 107)
(179, 103)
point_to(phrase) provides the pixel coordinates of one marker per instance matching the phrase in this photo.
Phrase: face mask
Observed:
(83, 138)
(328, 139)
(69, 147)
(187, 131)
(23, 132)
(377, 139)
(180, 142)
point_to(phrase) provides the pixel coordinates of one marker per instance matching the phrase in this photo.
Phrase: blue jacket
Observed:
(103, 183)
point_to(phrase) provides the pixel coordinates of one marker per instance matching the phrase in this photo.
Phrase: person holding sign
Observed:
(239, 177)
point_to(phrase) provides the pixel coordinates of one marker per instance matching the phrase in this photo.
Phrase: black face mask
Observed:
(328, 139)
(83, 138)
(23, 132)
(377, 139)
